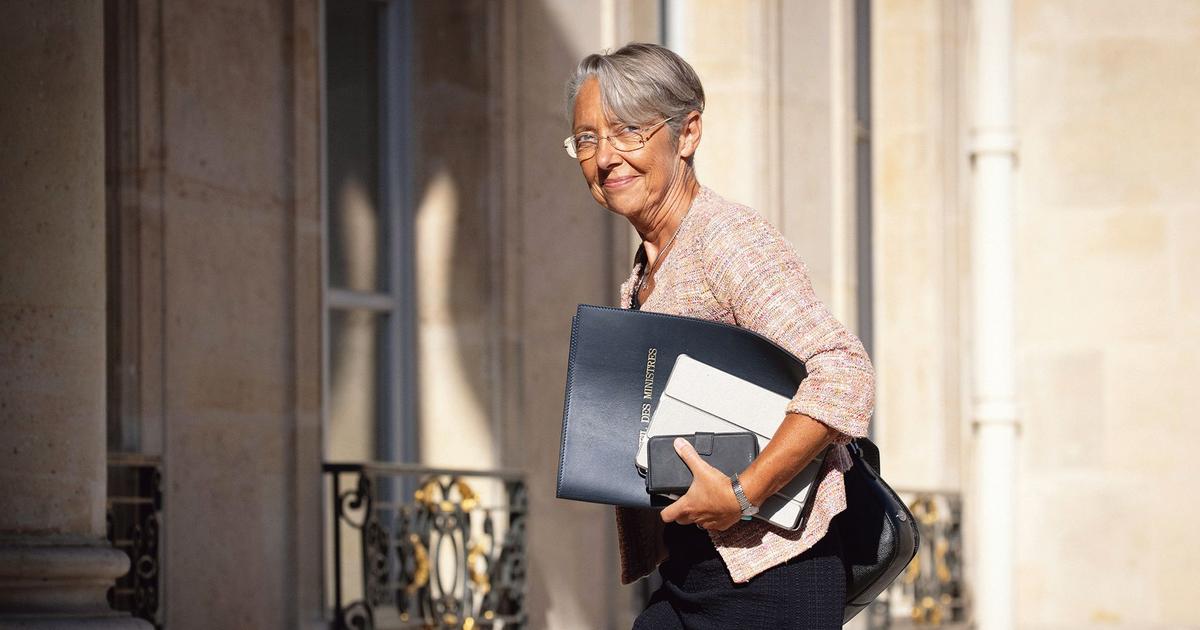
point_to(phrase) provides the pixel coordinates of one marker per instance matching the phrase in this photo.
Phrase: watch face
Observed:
(750, 511)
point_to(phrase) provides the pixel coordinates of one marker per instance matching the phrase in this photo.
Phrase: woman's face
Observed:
(629, 183)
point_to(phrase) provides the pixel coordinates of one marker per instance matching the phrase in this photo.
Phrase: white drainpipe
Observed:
(994, 413)
(675, 16)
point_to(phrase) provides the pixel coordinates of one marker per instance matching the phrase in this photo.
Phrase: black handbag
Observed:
(879, 534)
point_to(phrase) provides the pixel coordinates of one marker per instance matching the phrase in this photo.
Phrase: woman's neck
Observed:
(662, 222)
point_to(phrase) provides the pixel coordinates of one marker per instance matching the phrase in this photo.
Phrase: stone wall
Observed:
(223, 171)
(1105, 235)
(1108, 313)
(221, 127)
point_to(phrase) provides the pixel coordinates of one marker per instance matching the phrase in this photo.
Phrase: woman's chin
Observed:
(622, 202)
(624, 210)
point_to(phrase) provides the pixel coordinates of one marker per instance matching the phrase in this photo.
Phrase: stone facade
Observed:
(1108, 212)
(217, 175)
(55, 564)
(1103, 207)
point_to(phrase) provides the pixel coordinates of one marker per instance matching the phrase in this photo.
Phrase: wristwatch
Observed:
(748, 508)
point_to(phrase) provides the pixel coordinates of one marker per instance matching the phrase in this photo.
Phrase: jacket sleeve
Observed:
(753, 271)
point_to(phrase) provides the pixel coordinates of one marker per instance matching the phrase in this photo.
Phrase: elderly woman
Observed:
(636, 125)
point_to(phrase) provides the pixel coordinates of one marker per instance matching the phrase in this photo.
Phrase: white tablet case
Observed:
(699, 397)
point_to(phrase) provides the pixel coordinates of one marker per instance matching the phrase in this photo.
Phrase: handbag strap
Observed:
(865, 450)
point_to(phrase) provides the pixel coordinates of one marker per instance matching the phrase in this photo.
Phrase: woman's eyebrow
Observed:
(583, 128)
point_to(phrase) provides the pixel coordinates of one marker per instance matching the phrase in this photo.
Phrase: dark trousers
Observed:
(807, 592)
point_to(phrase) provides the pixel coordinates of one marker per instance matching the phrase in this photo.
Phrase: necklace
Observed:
(645, 275)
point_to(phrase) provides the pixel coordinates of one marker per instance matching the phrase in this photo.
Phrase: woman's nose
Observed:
(606, 155)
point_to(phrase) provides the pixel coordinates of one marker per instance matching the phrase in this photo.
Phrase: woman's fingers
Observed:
(676, 512)
(681, 517)
(705, 502)
(688, 454)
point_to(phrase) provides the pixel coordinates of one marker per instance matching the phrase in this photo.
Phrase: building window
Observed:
(368, 256)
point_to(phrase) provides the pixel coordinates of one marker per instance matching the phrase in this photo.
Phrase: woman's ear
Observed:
(689, 134)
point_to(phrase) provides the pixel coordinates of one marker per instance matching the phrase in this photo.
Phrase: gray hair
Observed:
(641, 84)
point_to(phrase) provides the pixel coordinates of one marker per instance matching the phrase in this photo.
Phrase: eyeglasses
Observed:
(583, 145)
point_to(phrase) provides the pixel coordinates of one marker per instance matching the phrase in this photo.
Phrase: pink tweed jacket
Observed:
(729, 264)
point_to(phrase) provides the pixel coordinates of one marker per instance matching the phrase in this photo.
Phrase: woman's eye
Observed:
(585, 138)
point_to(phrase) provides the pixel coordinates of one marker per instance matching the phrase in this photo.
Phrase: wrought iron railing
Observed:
(419, 547)
(134, 512)
(930, 593)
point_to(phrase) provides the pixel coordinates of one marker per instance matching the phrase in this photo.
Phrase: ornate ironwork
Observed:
(930, 593)
(439, 557)
(134, 514)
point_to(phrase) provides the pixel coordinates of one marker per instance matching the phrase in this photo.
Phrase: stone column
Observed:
(55, 564)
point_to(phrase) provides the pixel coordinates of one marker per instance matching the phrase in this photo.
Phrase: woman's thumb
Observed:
(687, 453)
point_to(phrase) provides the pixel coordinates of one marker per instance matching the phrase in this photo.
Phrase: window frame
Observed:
(395, 430)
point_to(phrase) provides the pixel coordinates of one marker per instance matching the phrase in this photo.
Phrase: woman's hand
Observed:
(709, 502)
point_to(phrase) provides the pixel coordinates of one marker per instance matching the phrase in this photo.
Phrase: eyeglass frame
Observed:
(644, 136)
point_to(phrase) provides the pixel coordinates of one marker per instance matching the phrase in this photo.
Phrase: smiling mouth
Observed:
(617, 182)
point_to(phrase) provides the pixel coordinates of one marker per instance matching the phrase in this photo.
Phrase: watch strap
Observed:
(738, 492)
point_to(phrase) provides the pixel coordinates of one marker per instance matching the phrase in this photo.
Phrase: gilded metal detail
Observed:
(420, 576)
(443, 559)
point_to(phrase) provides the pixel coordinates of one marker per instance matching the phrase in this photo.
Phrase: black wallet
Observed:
(666, 472)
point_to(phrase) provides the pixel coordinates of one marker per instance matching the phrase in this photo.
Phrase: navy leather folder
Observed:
(616, 371)
(617, 367)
